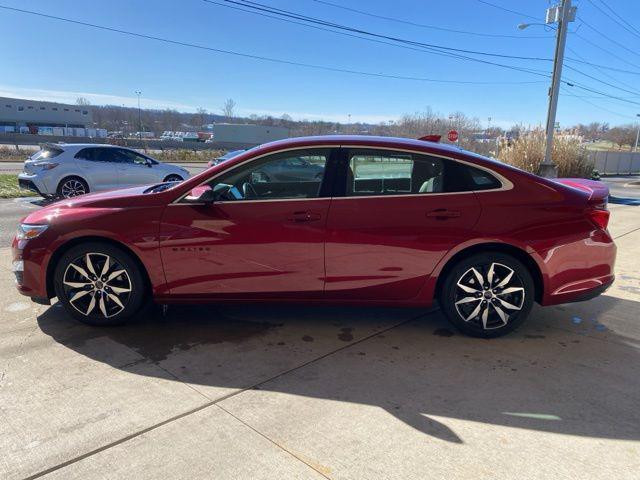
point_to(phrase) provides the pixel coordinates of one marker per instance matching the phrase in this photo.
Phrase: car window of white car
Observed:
(128, 156)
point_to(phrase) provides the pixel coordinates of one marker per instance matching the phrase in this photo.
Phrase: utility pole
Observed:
(138, 93)
(561, 14)
(635, 149)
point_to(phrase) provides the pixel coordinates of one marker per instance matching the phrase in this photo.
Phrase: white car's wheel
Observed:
(72, 187)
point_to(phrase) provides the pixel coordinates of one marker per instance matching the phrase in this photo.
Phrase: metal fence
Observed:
(617, 163)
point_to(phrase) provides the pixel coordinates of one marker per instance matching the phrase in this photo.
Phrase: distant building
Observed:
(247, 134)
(31, 114)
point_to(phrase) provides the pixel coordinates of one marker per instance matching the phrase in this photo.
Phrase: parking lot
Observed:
(274, 391)
(306, 392)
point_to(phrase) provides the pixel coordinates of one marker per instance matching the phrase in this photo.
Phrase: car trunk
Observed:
(598, 191)
(596, 209)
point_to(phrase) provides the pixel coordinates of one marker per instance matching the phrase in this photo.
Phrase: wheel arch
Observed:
(65, 247)
(520, 254)
(74, 175)
(169, 175)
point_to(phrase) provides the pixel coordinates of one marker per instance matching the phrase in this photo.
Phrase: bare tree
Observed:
(228, 109)
(622, 135)
(200, 117)
(82, 102)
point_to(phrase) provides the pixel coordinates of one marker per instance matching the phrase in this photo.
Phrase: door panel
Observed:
(259, 238)
(133, 169)
(245, 249)
(97, 167)
(392, 225)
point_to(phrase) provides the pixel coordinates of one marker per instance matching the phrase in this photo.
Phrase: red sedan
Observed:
(385, 221)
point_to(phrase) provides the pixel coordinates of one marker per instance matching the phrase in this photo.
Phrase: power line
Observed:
(608, 37)
(599, 68)
(625, 25)
(606, 50)
(288, 62)
(425, 49)
(422, 25)
(499, 7)
(289, 14)
(633, 92)
(584, 100)
(256, 57)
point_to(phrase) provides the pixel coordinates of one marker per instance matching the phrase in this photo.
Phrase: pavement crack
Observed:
(269, 439)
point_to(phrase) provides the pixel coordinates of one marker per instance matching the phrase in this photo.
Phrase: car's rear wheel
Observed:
(99, 284)
(173, 178)
(488, 294)
(72, 187)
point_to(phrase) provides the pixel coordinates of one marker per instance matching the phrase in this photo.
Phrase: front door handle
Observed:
(300, 217)
(443, 213)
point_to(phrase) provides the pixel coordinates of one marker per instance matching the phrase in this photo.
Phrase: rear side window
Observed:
(88, 154)
(46, 152)
(381, 172)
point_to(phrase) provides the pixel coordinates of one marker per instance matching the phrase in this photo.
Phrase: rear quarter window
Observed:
(465, 178)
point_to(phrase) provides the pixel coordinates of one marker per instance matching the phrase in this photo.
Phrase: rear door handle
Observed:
(300, 217)
(443, 213)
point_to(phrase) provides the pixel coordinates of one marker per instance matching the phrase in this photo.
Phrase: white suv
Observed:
(68, 170)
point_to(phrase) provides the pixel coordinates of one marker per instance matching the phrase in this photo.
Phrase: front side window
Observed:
(293, 174)
(129, 156)
(380, 172)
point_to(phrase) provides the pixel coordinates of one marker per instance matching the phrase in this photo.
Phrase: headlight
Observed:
(27, 232)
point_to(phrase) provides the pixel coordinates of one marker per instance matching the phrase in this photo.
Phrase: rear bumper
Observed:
(579, 270)
(34, 184)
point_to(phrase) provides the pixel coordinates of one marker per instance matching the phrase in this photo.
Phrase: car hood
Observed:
(112, 199)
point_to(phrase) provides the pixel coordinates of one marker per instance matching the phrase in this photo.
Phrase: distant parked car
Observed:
(69, 170)
(225, 157)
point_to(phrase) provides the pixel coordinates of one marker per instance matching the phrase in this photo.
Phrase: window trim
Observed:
(506, 184)
(334, 150)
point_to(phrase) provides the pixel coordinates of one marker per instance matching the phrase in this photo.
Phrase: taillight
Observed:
(599, 217)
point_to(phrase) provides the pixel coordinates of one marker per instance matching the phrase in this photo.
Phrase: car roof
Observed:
(364, 140)
(70, 146)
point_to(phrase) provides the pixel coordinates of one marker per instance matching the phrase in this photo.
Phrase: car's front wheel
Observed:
(99, 284)
(488, 294)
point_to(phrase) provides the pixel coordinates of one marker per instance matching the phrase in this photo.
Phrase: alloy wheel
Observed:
(73, 188)
(489, 295)
(97, 285)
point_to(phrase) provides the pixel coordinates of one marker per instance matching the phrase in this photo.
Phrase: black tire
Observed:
(68, 280)
(465, 305)
(173, 178)
(72, 184)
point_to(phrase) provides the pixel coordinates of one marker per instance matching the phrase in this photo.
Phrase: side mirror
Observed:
(149, 163)
(201, 194)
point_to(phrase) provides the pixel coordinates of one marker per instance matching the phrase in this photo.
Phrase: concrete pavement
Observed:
(307, 392)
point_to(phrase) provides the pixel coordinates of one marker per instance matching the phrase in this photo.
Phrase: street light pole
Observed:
(138, 93)
(562, 14)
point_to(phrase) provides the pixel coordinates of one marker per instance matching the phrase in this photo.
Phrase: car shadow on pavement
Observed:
(553, 375)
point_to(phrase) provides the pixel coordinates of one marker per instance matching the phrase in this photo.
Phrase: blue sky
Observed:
(48, 59)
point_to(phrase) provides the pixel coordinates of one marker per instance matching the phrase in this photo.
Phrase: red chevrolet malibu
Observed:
(340, 219)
